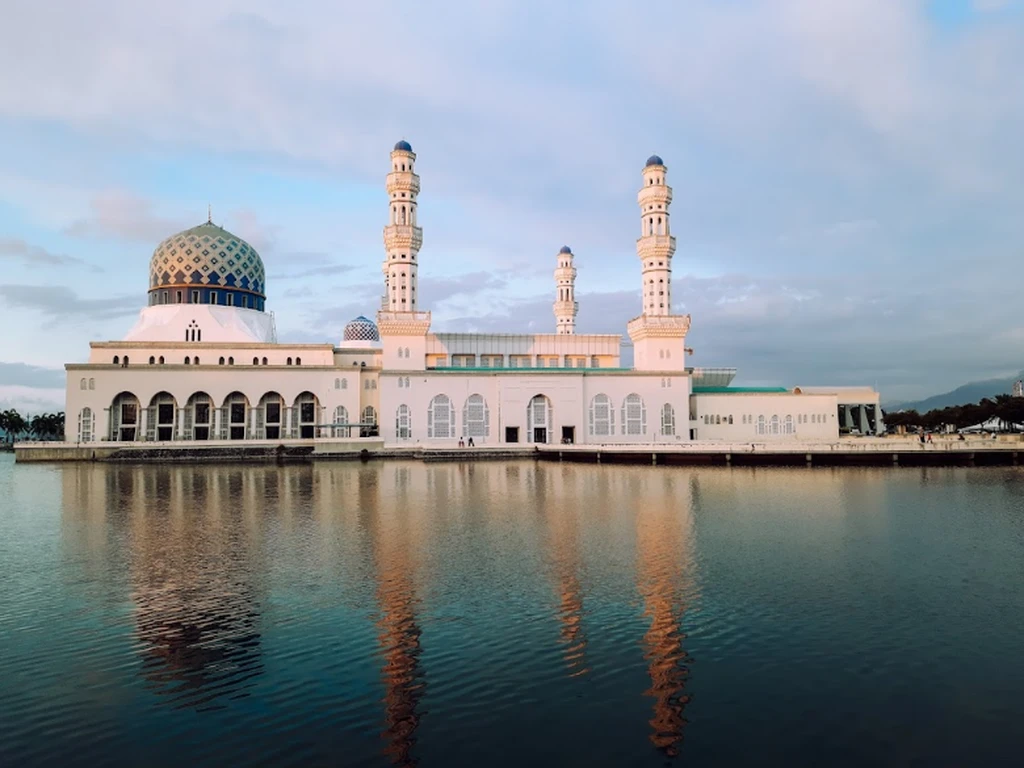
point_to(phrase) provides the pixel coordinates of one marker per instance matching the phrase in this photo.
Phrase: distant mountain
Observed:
(968, 393)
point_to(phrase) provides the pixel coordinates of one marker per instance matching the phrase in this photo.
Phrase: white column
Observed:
(180, 431)
(143, 423)
(217, 416)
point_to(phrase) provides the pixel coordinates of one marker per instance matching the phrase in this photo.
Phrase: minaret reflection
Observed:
(564, 533)
(192, 573)
(398, 630)
(664, 563)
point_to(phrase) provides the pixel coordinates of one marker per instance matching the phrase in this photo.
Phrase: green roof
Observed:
(479, 369)
(739, 390)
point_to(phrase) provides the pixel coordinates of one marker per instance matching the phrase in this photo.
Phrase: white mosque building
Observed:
(203, 361)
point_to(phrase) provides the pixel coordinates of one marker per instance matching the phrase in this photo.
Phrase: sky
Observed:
(848, 175)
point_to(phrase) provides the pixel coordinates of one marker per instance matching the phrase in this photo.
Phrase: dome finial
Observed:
(209, 213)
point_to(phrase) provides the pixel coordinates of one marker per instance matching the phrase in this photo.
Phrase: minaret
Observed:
(402, 238)
(566, 305)
(656, 244)
(658, 335)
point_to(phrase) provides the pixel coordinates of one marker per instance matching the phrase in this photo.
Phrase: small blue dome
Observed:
(404, 145)
(361, 329)
(566, 249)
(654, 160)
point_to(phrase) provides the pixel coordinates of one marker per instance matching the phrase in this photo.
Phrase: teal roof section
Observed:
(478, 369)
(739, 390)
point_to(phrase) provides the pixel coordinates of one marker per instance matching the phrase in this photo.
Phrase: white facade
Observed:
(195, 368)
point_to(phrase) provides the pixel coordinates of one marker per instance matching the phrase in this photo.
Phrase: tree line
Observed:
(1005, 407)
(42, 426)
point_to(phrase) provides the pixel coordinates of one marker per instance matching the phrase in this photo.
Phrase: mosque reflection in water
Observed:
(200, 542)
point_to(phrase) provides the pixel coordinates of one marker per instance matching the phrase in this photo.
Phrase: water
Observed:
(507, 613)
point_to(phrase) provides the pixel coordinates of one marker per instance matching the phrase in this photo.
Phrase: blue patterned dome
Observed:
(361, 329)
(654, 160)
(404, 146)
(565, 249)
(207, 265)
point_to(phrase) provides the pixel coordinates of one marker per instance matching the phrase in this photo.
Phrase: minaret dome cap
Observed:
(404, 145)
(654, 160)
(565, 249)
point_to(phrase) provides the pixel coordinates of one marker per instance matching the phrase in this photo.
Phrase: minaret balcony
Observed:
(403, 236)
(655, 245)
(653, 194)
(403, 181)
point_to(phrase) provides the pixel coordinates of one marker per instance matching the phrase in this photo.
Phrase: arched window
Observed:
(373, 384)
(337, 383)
(788, 425)
(668, 420)
(264, 361)
(86, 425)
(406, 382)
(761, 425)
(161, 359)
(298, 361)
(476, 418)
(401, 382)
(341, 417)
(539, 419)
(84, 384)
(231, 361)
(775, 425)
(124, 362)
(92, 382)
(440, 421)
(188, 360)
(344, 383)
(195, 360)
(369, 418)
(221, 361)
(255, 361)
(117, 360)
(152, 360)
(288, 361)
(602, 416)
(366, 384)
(403, 422)
(634, 415)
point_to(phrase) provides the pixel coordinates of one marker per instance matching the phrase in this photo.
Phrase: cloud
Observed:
(12, 248)
(846, 174)
(61, 304)
(307, 265)
(31, 400)
(19, 374)
(126, 216)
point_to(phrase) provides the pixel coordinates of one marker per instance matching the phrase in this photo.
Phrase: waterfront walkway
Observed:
(877, 451)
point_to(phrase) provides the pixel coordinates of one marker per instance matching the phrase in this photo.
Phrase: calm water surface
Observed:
(499, 614)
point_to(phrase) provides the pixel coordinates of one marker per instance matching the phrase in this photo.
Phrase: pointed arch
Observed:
(271, 415)
(86, 425)
(539, 419)
(634, 415)
(403, 422)
(476, 418)
(340, 419)
(370, 421)
(304, 418)
(440, 418)
(199, 417)
(125, 418)
(234, 417)
(602, 416)
(668, 420)
(161, 417)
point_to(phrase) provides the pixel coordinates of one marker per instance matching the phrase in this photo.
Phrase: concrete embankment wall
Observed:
(851, 452)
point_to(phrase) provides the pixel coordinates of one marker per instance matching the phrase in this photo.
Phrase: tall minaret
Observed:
(658, 335)
(655, 245)
(402, 238)
(566, 305)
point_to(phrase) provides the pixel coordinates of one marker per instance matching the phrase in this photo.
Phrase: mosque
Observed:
(203, 361)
